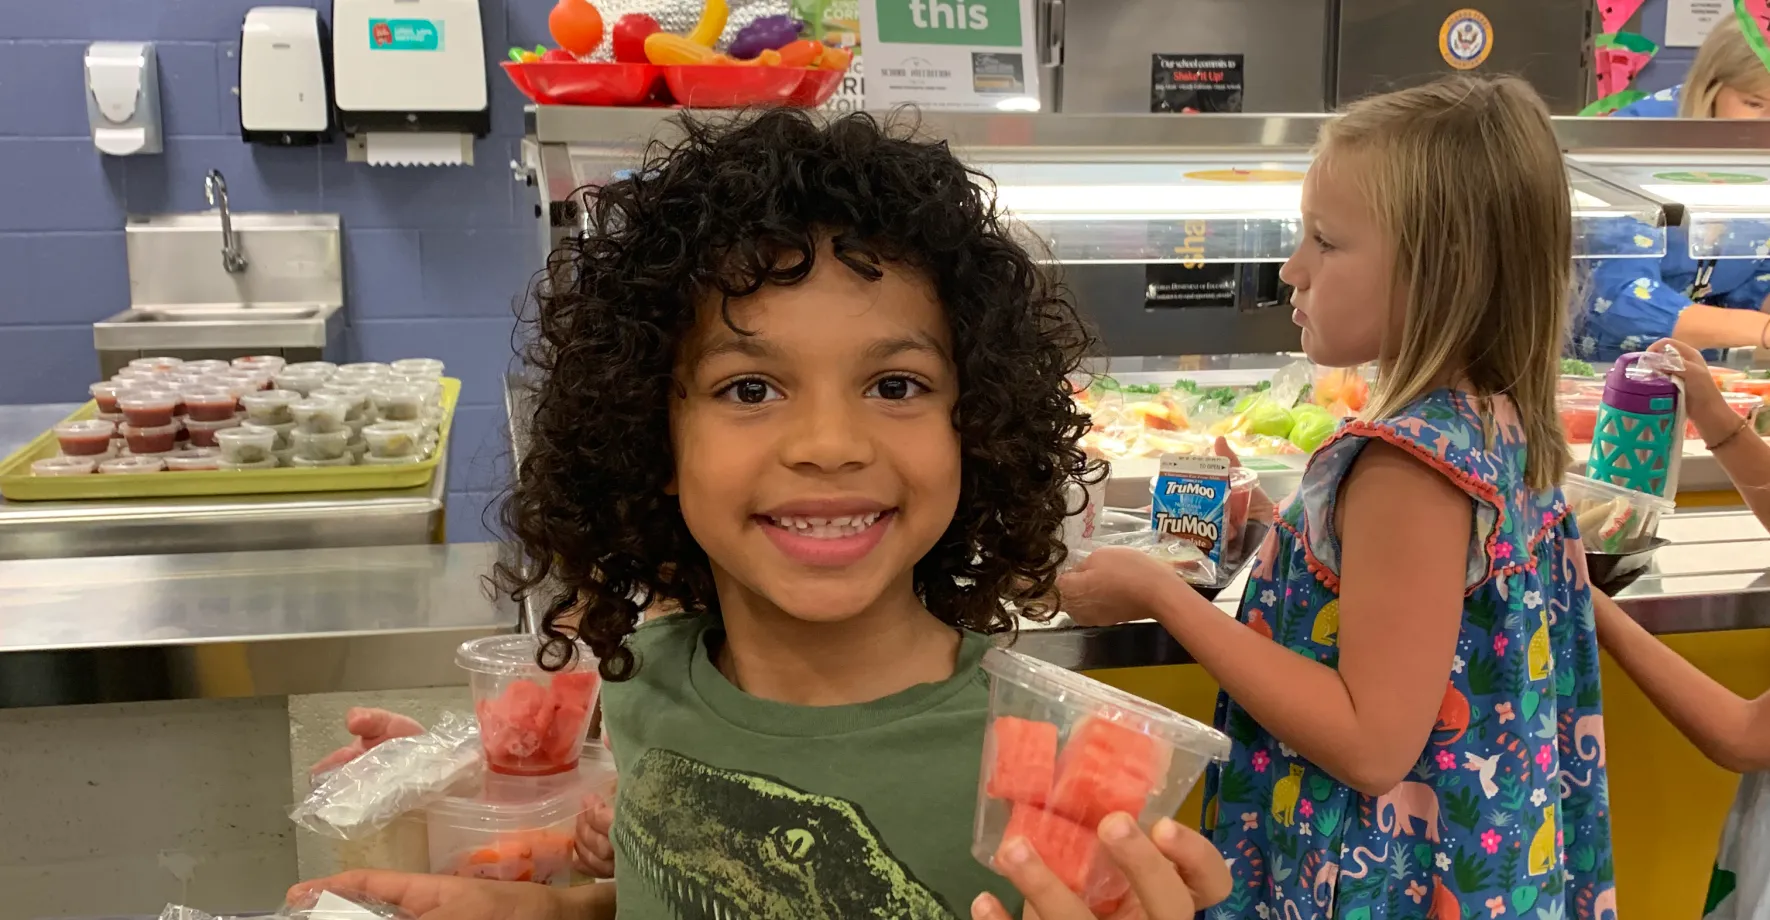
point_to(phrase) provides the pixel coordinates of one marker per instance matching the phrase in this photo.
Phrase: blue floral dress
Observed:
(1506, 812)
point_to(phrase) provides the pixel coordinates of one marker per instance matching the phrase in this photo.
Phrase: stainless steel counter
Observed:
(54, 530)
(271, 623)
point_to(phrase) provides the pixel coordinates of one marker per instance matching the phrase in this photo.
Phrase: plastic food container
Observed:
(399, 402)
(1062, 751)
(156, 440)
(368, 459)
(319, 413)
(268, 364)
(1613, 519)
(206, 366)
(193, 460)
(417, 367)
(503, 834)
(132, 465)
(157, 365)
(1579, 417)
(393, 439)
(282, 432)
(270, 464)
(354, 396)
(1743, 404)
(303, 382)
(319, 445)
(105, 393)
(362, 370)
(1725, 377)
(210, 403)
(531, 722)
(270, 406)
(246, 444)
(322, 368)
(89, 438)
(1752, 385)
(430, 389)
(310, 463)
(1242, 482)
(203, 434)
(148, 408)
(64, 466)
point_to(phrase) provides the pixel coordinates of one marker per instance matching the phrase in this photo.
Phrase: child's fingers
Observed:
(1044, 892)
(1153, 877)
(1224, 450)
(986, 907)
(1197, 860)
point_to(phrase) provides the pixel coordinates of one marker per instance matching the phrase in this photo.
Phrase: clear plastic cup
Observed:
(193, 460)
(246, 444)
(357, 448)
(268, 364)
(145, 408)
(354, 396)
(399, 402)
(1613, 519)
(320, 445)
(301, 462)
(206, 366)
(230, 465)
(270, 407)
(303, 382)
(1579, 417)
(205, 434)
(1062, 752)
(417, 367)
(85, 438)
(393, 439)
(133, 465)
(509, 832)
(362, 370)
(431, 389)
(164, 365)
(283, 432)
(320, 414)
(65, 466)
(531, 722)
(322, 368)
(210, 403)
(105, 393)
(372, 460)
(156, 440)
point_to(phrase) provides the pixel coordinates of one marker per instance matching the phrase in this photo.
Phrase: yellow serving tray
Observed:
(18, 485)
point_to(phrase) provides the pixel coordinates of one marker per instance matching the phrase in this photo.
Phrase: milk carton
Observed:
(1191, 503)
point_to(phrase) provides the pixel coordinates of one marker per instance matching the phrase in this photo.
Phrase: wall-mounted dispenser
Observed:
(123, 97)
(285, 77)
(410, 80)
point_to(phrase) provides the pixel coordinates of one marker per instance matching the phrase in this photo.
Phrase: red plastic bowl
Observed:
(730, 86)
(816, 88)
(577, 83)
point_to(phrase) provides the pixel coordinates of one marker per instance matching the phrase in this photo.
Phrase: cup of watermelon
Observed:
(1062, 752)
(531, 721)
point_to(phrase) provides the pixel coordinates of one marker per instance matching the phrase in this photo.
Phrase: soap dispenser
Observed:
(285, 77)
(123, 97)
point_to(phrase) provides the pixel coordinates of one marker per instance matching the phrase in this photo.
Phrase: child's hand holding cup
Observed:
(1706, 407)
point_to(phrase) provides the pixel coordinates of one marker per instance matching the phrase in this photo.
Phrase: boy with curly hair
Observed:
(799, 382)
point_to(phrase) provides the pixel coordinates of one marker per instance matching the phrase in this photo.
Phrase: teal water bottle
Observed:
(1639, 440)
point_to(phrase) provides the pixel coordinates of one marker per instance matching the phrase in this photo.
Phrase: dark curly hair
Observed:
(729, 208)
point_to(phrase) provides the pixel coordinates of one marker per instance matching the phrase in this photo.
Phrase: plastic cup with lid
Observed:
(361, 371)
(531, 720)
(268, 364)
(393, 439)
(105, 393)
(399, 402)
(508, 830)
(156, 365)
(303, 382)
(417, 367)
(270, 407)
(231, 466)
(145, 408)
(210, 403)
(319, 413)
(132, 465)
(193, 460)
(320, 445)
(206, 366)
(204, 434)
(156, 440)
(355, 397)
(1062, 751)
(85, 438)
(323, 368)
(246, 444)
(66, 466)
(283, 432)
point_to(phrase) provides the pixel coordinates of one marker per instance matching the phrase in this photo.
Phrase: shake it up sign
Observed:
(951, 54)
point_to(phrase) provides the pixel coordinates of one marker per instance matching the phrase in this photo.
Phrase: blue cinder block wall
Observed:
(434, 256)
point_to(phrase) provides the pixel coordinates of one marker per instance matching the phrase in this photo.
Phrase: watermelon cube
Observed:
(1073, 852)
(1023, 760)
(1106, 767)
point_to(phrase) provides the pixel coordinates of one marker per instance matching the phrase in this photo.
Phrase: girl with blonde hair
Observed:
(1414, 658)
(1707, 303)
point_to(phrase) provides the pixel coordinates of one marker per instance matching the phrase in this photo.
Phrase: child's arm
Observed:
(1405, 534)
(1744, 455)
(1732, 732)
(469, 899)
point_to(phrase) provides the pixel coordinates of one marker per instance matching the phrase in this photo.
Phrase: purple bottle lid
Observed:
(1637, 392)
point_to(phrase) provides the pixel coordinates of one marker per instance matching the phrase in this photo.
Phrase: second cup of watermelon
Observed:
(1062, 752)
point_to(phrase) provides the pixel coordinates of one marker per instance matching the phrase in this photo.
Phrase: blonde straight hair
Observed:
(1725, 59)
(1465, 175)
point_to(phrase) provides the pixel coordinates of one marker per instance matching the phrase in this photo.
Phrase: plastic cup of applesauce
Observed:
(133, 465)
(65, 466)
(193, 460)
(203, 434)
(145, 408)
(85, 438)
(531, 721)
(1061, 752)
(210, 403)
(105, 393)
(354, 396)
(303, 382)
(398, 402)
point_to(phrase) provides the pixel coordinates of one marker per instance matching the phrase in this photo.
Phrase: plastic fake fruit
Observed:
(630, 34)
(835, 59)
(559, 55)
(712, 25)
(801, 53)
(525, 56)
(769, 33)
(576, 26)
(668, 49)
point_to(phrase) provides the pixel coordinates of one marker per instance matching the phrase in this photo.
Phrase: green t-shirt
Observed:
(736, 807)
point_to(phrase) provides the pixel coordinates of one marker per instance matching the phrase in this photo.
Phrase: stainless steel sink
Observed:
(233, 314)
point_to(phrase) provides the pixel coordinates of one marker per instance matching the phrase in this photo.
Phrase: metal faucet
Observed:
(215, 189)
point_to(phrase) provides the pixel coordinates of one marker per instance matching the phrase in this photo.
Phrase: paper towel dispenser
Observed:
(414, 68)
(285, 77)
(123, 97)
